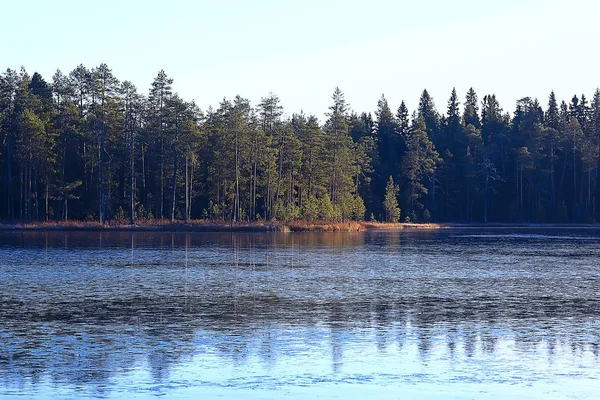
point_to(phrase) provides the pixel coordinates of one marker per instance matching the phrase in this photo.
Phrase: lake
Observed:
(454, 313)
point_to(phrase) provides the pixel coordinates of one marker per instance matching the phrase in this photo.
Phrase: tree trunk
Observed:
(191, 190)
(143, 196)
(132, 179)
(589, 196)
(21, 196)
(107, 200)
(521, 198)
(236, 203)
(594, 194)
(100, 188)
(160, 204)
(433, 196)
(280, 169)
(28, 196)
(35, 194)
(250, 202)
(467, 206)
(485, 206)
(173, 187)
(9, 193)
(187, 193)
(582, 185)
(552, 186)
(518, 194)
(267, 200)
(563, 176)
(46, 198)
(254, 194)
(574, 183)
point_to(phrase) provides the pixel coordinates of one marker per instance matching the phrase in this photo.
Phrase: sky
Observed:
(302, 50)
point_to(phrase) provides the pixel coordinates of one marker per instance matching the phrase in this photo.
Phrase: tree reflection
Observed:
(242, 296)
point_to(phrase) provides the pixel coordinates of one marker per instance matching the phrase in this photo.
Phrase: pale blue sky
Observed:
(301, 50)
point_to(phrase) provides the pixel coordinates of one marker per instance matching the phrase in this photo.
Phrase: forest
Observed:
(87, 146)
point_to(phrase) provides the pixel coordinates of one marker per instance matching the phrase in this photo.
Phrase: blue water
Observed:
(462, 314)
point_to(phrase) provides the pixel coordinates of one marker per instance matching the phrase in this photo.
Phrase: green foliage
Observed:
(419, 162)
(87, 136)
(119, 214)
(350, 207)
(390, 203)
(326, 210)
(310, 210)
(426, 216)
(142, 214)
(358, 208)
(286, 212)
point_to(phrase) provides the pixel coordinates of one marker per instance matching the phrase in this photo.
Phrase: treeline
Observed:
(87, 146)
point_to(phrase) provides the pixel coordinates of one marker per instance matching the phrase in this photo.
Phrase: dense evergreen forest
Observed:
(87, 146)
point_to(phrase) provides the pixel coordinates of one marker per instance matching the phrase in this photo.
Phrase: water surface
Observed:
(454, 313)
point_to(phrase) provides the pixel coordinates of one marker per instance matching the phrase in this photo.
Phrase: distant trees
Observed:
(85, 145)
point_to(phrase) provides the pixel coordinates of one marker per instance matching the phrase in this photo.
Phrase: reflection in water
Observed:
(103, 314)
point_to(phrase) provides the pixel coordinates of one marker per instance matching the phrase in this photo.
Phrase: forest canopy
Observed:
(85, 145)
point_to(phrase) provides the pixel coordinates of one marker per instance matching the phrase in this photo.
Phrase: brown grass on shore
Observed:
(141, 225)
(400, 225)
(213, 226)
(324, 226)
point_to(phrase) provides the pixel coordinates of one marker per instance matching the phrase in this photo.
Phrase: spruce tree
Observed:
(390, 202)
(418, 164)
(551, 119)
(471, 110)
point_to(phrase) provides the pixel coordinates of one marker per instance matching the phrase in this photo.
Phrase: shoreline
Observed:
(292, 226)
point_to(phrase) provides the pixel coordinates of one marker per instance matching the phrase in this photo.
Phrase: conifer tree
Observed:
(83, 145)
(160, 93)
(388, 141)
(471, 110)
(390, 203)
(419, 163)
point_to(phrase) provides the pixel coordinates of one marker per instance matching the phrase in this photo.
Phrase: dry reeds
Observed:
(214, 226)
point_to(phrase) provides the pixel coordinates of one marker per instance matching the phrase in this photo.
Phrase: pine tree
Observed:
(428, 113)
(270, 111)
(551, 119)
(389, 145)
(341, 157)
(160, 93)
(84, 136)
(9, 82)
(471, 110)
(390, 203)
(403, 120)
(452, 118)
(132, 114)
(420, 162)
(431, 119)
(104, 127)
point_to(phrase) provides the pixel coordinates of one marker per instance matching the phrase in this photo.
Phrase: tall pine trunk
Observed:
(485, 206)
(162, 186)
(187, 193)
(9, 191)
(574, 183)
(236, 211)
(46, 195)
(552, 186)
(173, 188)
(132, 178)
(191, 190)
(35, 196)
